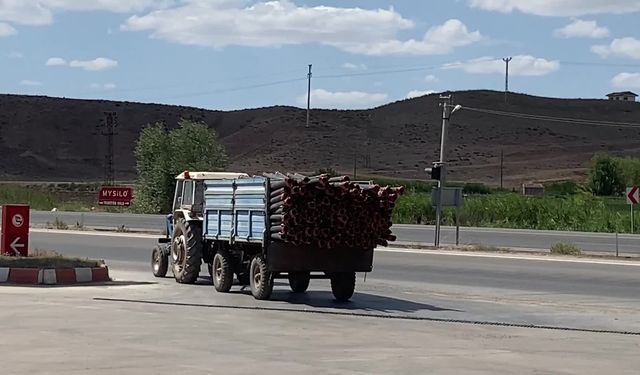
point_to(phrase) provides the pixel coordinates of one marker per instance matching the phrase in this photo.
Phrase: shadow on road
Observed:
(360, 301)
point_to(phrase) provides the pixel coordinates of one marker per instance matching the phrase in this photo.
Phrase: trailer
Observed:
(224, 220)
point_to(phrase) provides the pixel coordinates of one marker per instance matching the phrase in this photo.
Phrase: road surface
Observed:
(459, 281)
(450, 313)
(598, 242)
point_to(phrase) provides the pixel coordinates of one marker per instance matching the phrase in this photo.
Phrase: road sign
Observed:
(451, 196)
(115, 196)
(15, 230)
(633, 196)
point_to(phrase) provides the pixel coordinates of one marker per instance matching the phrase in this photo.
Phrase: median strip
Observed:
(50, 268)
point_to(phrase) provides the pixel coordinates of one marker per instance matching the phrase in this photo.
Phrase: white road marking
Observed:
(546, 258)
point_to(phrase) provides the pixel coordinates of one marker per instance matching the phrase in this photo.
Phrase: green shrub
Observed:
(563, 188)
(606, 177)
(475, 188)
(564, 248)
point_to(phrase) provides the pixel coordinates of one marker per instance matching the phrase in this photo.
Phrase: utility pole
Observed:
(501, 168)
(446, 113)
(110, 123)
(355, 166)
(309, 95)
(506, 77)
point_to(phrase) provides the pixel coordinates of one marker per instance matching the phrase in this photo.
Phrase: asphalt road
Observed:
(449, 312)
(502, 274)
(598, 242)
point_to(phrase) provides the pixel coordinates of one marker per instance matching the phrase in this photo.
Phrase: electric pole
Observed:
(506, 77)
(446, 114)
(309, 95)
(110, 123)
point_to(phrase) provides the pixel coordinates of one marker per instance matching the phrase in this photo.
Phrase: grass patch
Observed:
(57, 224)
(565, 248)
(579, 212)
(47, 259)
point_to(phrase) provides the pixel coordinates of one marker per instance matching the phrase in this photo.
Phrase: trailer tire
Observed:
(261, 280)
(299, 281)
(222, 271)
(343, 285)
(159, 262)
(186, 249)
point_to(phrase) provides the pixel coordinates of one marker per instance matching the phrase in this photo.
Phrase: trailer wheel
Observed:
(343, 285)
(186, 251)
(222, 271)
(299, 281)
(159, 262)
(261, 280)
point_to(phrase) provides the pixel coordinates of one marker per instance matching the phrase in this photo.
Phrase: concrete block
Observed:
(84, 275)
(49, 277)
(4, 275)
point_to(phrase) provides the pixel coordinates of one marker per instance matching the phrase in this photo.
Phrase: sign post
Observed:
(633, 197)
(449, 197)
(115, 196)
(15, 230)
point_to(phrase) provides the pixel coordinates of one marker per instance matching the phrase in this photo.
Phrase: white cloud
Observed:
(418, 93)
(559, 8)
(439, 40)
(28, 82)
(41, 12)
(582, 29)
(626, 81)
(104, 86)
(522, 65)
(100, 63)
(56, 61)
(625, 47)
(277, 23)
(352, 66)
(431, 78)
(15, 55)
(7, 30)
(344, 100)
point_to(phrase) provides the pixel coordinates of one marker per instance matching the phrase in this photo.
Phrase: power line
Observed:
(239, 88)
(378, 72)
(567, 120)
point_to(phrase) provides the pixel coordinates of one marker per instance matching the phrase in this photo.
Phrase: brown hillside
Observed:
(47, 138)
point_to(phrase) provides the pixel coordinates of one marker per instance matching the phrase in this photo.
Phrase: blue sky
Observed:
(232, 54)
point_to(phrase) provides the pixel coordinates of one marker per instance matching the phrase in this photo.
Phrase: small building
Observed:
(625, 96)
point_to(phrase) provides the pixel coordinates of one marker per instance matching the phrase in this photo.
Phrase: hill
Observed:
(45, 138)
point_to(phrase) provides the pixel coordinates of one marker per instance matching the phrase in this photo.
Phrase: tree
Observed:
(161, 155)
(606, 176)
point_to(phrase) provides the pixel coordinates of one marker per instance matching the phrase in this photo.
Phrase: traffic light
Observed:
(436, 172)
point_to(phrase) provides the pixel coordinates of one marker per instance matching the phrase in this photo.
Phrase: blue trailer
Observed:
(222, 219)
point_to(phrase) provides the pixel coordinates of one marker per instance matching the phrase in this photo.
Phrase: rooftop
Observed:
(622, 93)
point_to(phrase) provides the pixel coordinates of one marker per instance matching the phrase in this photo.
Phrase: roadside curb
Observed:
(53, 276)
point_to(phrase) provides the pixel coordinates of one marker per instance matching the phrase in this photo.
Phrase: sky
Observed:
(235, 54)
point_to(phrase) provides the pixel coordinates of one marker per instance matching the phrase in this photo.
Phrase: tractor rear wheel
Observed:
(186, 251)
